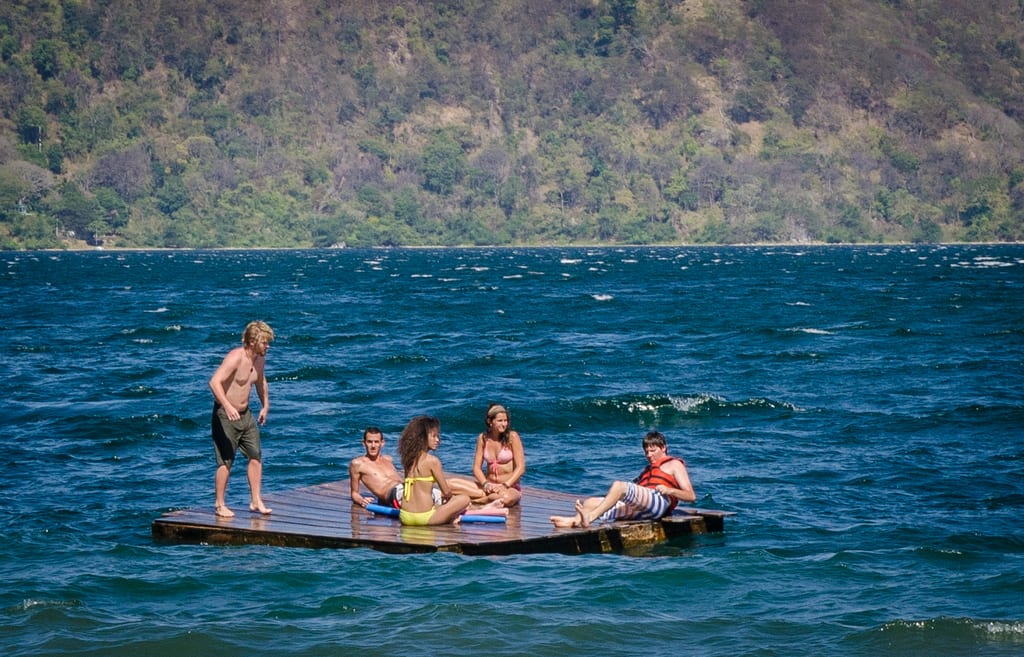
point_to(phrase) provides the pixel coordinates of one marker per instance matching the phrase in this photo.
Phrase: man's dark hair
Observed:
(654, 438)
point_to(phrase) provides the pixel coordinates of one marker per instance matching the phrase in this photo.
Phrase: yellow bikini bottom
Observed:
(419, 519)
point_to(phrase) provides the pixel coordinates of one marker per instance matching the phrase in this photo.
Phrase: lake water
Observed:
(860, 408)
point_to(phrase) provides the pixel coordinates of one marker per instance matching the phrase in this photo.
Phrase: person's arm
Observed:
(479, 476)
(220, 381)
(684, 489)
(434, 464)
(263, 391)
(518, 460)
(356, 476)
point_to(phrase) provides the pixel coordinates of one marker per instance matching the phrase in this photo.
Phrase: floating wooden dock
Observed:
(323, 516)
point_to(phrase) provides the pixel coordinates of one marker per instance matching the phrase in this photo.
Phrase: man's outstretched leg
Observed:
(592, 508)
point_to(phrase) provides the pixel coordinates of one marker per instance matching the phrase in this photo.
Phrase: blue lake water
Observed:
(860, 408)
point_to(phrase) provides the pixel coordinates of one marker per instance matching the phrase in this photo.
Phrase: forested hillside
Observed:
(290, 123)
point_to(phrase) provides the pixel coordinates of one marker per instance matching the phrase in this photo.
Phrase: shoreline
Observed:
(85, 248)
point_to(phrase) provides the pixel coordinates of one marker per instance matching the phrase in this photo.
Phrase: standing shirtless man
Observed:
(375, 471)
(233, 425)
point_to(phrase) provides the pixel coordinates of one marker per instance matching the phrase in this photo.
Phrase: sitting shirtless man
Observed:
(655, 493)
(376, 472)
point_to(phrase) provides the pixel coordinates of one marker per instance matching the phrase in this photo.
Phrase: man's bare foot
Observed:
(222, 511)
(563, 522)
(496, 504)
(582, 516)
(259, 508)
(579, 520)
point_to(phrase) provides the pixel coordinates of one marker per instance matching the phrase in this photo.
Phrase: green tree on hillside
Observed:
(375, 123)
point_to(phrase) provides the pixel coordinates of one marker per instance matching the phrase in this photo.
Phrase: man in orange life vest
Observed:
(662, 484)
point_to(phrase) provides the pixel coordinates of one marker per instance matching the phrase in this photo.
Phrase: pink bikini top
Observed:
(504, 456)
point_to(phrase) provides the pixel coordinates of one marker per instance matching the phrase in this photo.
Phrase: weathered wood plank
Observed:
(323, 516)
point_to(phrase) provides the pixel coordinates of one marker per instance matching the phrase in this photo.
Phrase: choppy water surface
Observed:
(860, 408)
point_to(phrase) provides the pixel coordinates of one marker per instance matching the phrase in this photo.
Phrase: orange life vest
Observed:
(653, 475)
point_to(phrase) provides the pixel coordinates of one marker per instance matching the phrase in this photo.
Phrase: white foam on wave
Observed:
(689, 404)
(35, 603)
(602, 297)
(809, 331)
(992, 262)
(1003, 629)
(161, 309)
(982, 262)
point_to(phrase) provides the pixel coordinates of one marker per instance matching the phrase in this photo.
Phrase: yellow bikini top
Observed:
(409, 481)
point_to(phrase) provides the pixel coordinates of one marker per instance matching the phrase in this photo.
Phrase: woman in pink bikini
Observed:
(499, 462)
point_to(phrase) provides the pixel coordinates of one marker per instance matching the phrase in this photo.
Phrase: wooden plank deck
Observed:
(323, 516)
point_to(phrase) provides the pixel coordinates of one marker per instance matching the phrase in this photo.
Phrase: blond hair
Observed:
(256, 331)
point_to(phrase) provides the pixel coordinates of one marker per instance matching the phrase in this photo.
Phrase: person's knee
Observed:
(618, 489)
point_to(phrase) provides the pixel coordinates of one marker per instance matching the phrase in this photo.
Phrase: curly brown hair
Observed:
(413, 440)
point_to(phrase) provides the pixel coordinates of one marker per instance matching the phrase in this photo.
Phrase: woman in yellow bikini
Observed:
(422, 472)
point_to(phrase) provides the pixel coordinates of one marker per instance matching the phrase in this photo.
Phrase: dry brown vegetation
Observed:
(232, 123)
